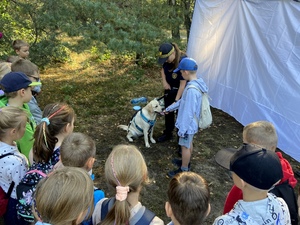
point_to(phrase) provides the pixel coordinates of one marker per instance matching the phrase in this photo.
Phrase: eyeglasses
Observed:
(36, 78)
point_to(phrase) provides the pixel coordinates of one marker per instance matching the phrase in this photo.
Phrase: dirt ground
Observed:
(100, 95)
(225, 132)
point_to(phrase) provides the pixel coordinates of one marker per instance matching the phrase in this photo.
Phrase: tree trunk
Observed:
(188, 16)
(176, 27)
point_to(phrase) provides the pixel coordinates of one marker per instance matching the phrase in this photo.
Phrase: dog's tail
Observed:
(123, 127)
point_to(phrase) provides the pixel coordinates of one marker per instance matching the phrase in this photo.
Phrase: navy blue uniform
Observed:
(173, 80)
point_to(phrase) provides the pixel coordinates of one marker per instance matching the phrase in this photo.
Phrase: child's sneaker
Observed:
(174, 172)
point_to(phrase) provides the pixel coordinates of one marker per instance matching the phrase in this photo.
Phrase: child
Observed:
(263, 134)
(65, 197)
(32, 72)
(126, 171)
(57, 123)
(5, 68)
(79, 150)
(255, 171)
(189, 108)
(17, 89)
(14, 165)
(188, 199)
(173, 83)
(21, 48)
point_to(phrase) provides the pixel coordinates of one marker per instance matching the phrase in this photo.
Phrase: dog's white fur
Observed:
(150, 112)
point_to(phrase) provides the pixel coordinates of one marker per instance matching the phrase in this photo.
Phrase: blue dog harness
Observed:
(150, 122)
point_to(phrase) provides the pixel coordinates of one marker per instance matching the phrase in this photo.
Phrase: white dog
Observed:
(142, 123)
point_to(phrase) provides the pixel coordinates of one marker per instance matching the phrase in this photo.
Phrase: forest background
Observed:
(97, 56)
(133, 28)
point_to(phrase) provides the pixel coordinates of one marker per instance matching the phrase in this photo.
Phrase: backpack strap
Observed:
(287, 193)
(12, 184)
(146, 217)
(4, 155)
(37, 171)
(106, 206)
(10, 189)
(194, 87)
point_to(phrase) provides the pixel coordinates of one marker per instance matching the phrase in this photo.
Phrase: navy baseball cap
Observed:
(187, 64)
(258, 167)
(15, 81)
(165, 50)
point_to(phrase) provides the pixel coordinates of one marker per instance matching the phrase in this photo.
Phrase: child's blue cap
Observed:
(187, 64)
(15, 81)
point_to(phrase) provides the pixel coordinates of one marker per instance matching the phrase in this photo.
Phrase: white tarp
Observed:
(249, 54)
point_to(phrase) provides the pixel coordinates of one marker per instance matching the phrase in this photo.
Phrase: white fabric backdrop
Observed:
(249, 55)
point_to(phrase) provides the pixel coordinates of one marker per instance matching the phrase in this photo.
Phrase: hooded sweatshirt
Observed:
(189, 108)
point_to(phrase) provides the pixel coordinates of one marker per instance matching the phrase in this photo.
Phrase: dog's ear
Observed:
(149, 107)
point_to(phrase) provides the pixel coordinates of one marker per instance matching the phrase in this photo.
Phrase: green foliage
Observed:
(47, 51)
(133, 27)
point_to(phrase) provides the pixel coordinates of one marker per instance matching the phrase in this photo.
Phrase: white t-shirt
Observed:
(269, 211)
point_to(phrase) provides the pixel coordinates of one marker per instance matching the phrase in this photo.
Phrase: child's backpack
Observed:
(25, 193)
(98, 195)
(142, 217)
(4, 197)
(286, 192)
(205, 115)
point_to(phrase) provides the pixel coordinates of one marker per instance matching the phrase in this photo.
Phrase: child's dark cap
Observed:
(258, 167)
(165, 50)
(15, 81)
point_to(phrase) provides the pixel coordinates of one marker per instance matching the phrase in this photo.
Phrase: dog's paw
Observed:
(152, 140)
(130, 139)
(147, 145)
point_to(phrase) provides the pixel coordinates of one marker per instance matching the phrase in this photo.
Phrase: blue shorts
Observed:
(186, 140)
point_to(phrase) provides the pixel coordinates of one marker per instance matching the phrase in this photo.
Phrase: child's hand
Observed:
(165, 112)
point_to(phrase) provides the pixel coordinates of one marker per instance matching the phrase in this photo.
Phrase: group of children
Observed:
(45, 151)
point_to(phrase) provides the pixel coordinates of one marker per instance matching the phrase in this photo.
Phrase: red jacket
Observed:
(236, 194)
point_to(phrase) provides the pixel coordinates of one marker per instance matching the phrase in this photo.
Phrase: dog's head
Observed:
(154, 107)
